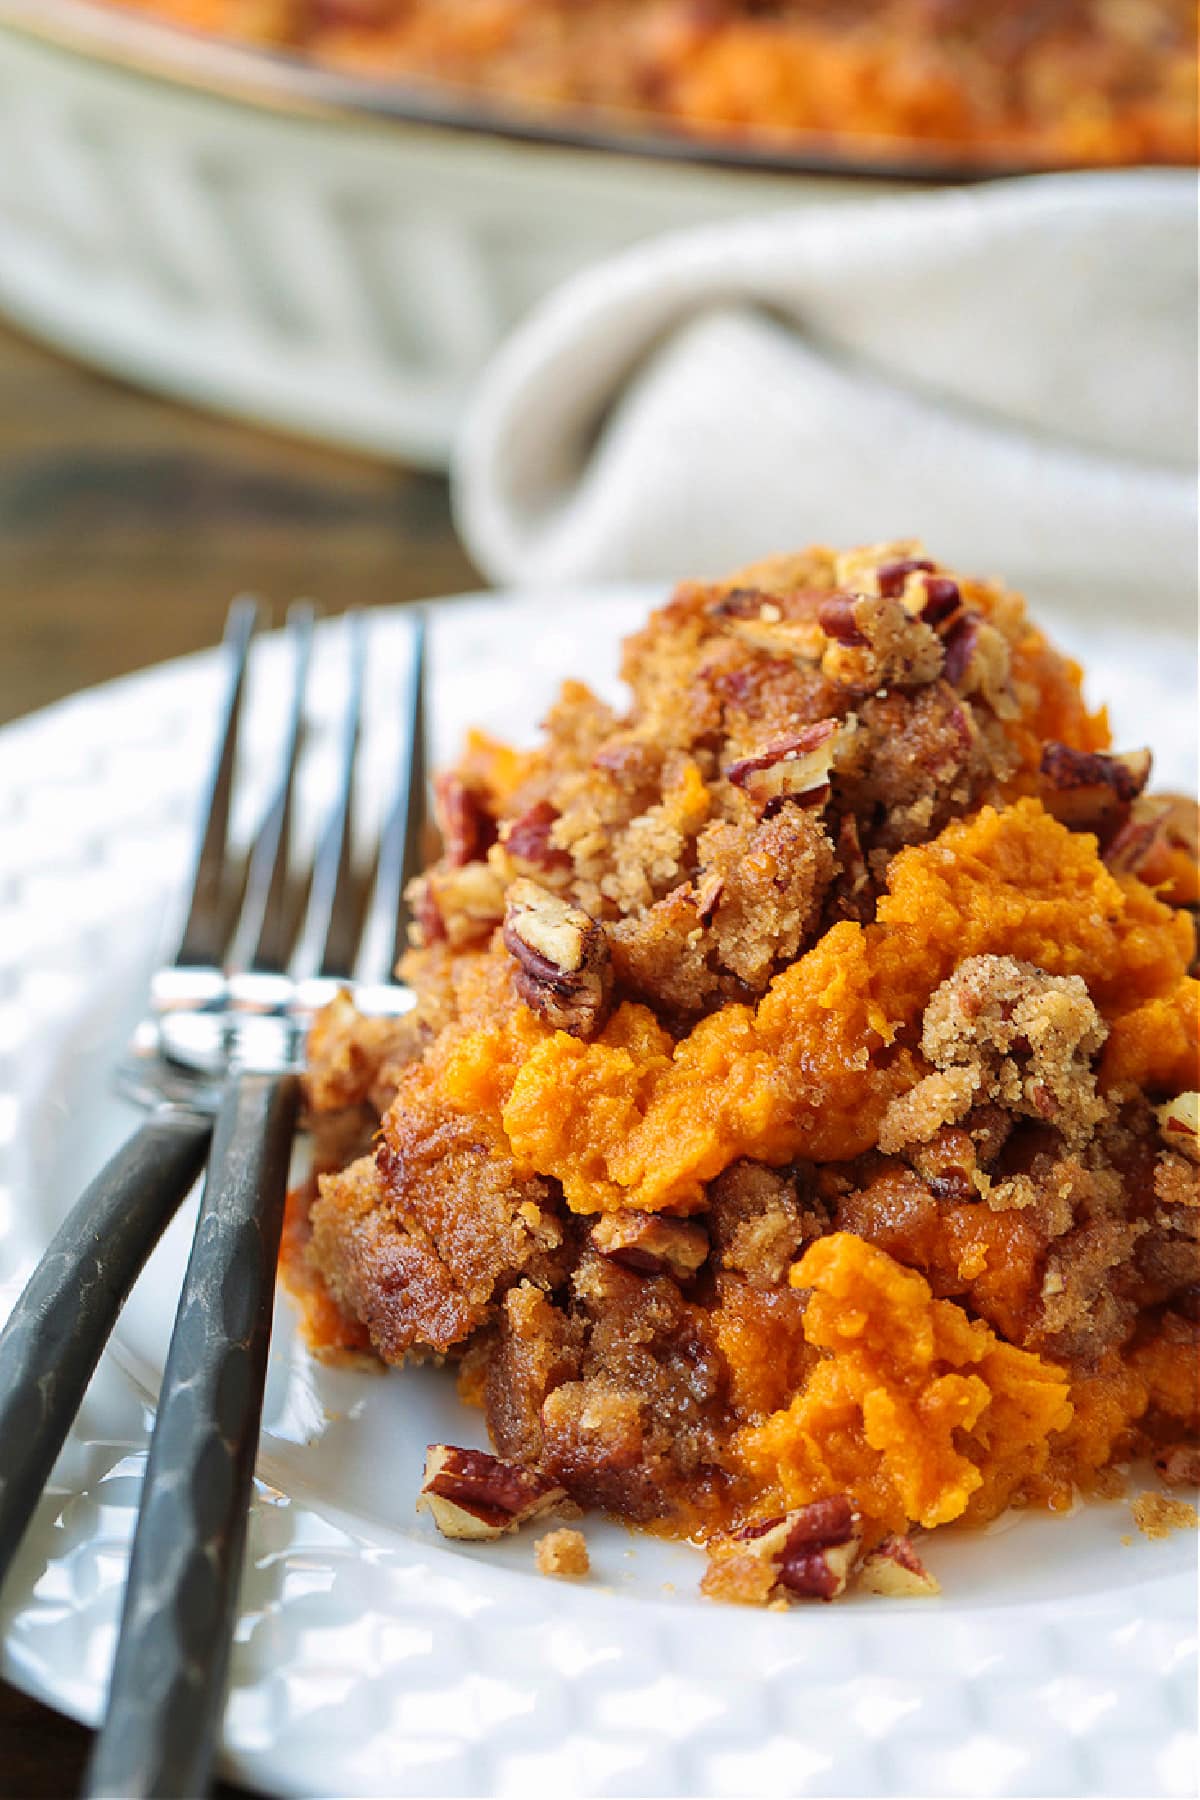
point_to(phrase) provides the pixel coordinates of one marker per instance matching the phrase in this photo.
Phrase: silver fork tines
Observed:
(404, 828)
(329, 937)
(264, 931)
(206, 925)
(251, 1001)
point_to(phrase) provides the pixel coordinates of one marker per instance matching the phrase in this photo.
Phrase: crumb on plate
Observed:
(563, 1553)
(1158, 1515)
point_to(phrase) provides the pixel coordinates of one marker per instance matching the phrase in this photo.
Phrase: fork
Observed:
(218, 1058)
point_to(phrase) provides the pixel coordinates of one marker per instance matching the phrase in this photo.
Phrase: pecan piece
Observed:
(837, 619)
(1179, 1125)
(1090, 791)
(978, 661)
(466, 902)
(934, 599)
(747, 603)
(761, 620)
(629, 760)
(807, 1553)
(943, 598)
(1158, 824)
(564, 969)
(527, 840)
(709, 889)
(894, 1568)
(893, 576)
(472, 1494)
(793, 768)
(650, 1243)
(874, 641)
(467, 828)
(428, 926)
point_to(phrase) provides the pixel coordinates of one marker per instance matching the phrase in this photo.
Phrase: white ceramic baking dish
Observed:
(334, 257)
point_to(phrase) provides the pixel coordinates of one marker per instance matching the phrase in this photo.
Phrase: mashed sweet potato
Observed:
(923, 1414)
(633, 1120)
(796, 1130)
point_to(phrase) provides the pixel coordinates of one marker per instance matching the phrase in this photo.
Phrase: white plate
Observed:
(371, 1657)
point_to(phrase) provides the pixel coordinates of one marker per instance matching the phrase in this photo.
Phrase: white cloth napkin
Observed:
(1006, 370)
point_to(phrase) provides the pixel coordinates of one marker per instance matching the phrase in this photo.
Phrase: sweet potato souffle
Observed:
(794, 1141)
(993, 83)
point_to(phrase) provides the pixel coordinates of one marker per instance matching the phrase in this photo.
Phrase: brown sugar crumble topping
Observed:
(794, 1140)
(1158, 1515)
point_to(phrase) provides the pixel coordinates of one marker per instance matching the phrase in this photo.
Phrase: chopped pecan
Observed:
(468, 901)
(632, 761)
(762, 621)
(472, 1494)
(428, 926)
(934, 599)
(650, 1243)
(874, 641)
(747, 603)
(978, 661)
(837, 619)
(1179, 1125)
(794, 768)
(527, 840)
(1090, 791)
(948, 1165)
(807, 1553)
(1157, 825)
(853, 896)
(856, 877)
(943, 598)
(710, 886)
(894, 1568)
(564, 969)
(893, 576)
(467, 828)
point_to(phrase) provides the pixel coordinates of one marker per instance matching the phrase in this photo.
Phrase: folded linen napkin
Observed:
(1007, 370)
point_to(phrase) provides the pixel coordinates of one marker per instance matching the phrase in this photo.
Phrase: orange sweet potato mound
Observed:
(924, 1414)
(635, 1120)
(779, 1118)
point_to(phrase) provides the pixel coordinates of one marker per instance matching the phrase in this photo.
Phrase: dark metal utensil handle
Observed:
(52, 1340)
(168, 1682)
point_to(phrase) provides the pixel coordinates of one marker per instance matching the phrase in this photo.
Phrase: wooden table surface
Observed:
(126, 525)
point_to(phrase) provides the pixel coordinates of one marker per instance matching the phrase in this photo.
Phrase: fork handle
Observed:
(168, 1682)
(52, 1340)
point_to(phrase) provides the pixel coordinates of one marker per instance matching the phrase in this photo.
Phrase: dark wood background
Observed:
(126, 525)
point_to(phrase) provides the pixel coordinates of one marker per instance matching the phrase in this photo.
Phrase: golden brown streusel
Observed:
(563, 1553)
(1158, 1515)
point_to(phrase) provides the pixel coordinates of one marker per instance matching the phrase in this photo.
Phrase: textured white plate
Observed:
(372, 1657)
